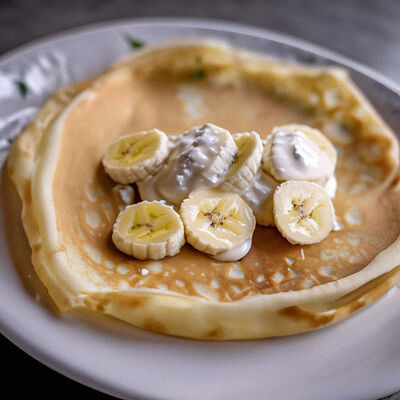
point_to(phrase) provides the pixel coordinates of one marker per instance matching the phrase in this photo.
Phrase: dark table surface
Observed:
(368, 31)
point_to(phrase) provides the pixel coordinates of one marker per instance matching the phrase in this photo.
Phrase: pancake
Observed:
(70, 204)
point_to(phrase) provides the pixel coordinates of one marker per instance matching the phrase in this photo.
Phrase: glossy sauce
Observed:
(234, 254)
(192, 164)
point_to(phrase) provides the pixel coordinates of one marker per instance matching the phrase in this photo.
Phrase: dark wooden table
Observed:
(366, 30)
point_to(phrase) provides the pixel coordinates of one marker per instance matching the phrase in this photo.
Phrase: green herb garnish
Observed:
(22, 87)
(198, 74)
(135, 44)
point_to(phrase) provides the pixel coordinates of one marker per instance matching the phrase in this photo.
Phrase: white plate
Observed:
(355, 359)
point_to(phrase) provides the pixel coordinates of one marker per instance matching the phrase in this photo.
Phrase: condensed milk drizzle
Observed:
(260, 191)
(187, 166)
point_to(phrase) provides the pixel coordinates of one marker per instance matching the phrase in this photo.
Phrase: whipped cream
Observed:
(297, 157)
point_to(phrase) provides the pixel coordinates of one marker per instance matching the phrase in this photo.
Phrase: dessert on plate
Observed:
(204, 191)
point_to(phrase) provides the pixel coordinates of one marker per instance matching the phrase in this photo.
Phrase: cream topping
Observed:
(331, 186)
(297, 157)
(148, 190)
(188, 165)
(124, 194)
(260, 192)
(337, 225)
(234, 254)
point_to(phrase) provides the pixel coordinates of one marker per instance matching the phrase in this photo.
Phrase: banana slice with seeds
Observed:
(133, 157)
(246, 163)
(148, 231)
(298, 152)
(303, 212)
(217, 221)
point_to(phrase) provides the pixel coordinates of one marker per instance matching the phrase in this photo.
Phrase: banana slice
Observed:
(298, 152)
(148, 231)
(303, 212)
(135, 156)
(200, 159)
(246, 163)
(216, 221)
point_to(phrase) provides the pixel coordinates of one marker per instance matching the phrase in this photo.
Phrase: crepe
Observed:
(69, 205)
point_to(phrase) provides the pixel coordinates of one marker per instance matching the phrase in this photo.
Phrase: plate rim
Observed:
(211, 23)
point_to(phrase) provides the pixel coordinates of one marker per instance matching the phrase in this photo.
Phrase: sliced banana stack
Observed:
(217, 222)
(148, 231)
(223, 184)
(298, 152)
(133, 157)
(246, 162)
(303, 212)
(200, 159)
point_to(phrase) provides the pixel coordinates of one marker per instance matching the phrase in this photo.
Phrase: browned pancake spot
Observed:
(100, 307)
(356, 306)
(296, 313)
(36, 246)
(153, 325)
(133, 302)
(214, 334)
(90, 303)
(28, 193)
